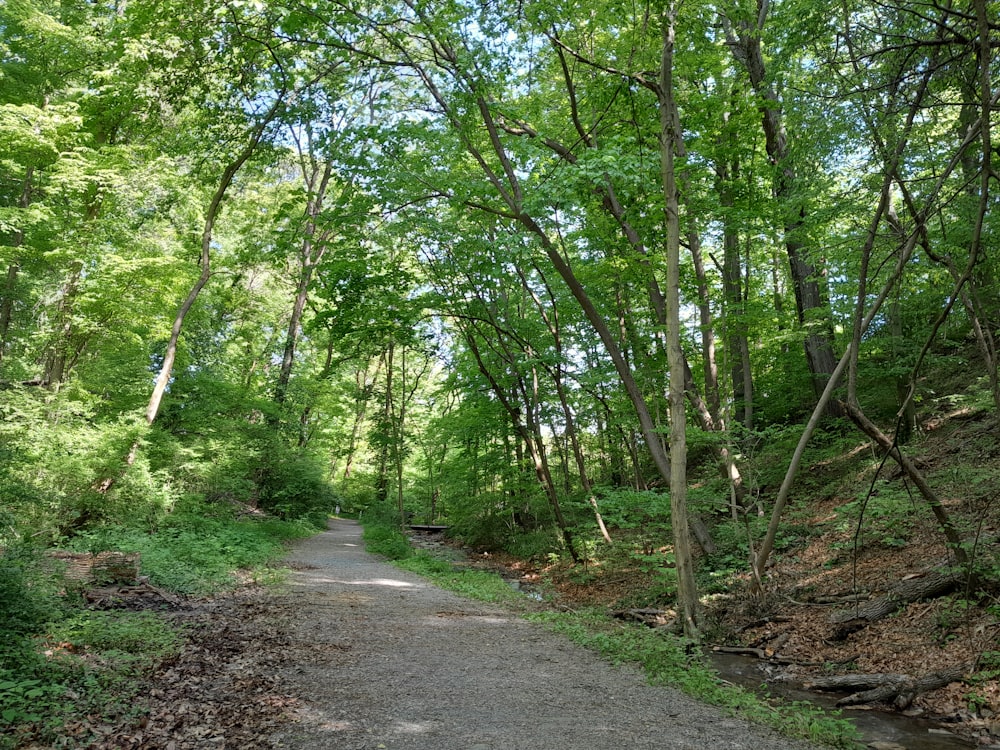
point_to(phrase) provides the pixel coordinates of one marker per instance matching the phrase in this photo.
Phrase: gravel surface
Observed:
(390, 661)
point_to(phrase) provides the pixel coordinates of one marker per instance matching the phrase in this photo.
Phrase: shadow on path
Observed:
(383, 659)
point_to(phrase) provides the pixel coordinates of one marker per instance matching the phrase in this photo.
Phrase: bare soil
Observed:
(354, 653)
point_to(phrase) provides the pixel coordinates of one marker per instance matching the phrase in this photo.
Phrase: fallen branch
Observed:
(109, 595)
(765, 621)
(654, 618)
(741, 651)
(773, 658)
(924, 586)
(898, 689)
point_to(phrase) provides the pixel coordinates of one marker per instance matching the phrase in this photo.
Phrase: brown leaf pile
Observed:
(220, 691)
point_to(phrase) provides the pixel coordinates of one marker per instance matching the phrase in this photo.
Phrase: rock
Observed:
(886, 746)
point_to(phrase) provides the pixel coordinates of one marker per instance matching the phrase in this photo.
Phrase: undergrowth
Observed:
(65, 668)
(194, 552)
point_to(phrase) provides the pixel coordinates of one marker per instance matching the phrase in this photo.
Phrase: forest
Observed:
(682, 288)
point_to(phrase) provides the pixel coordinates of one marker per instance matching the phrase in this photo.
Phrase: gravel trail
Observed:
(387, 660)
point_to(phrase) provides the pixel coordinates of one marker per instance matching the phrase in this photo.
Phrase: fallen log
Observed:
(758, 653)
(911, 589)
(99, 568)
(898, 689)
(654, 618)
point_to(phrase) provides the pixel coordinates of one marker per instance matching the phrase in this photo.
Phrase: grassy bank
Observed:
(665, 659)
(66, 669)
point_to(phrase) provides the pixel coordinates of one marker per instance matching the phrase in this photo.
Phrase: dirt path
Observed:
(382, 659)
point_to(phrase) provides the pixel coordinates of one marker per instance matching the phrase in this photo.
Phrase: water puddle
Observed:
(875, 726)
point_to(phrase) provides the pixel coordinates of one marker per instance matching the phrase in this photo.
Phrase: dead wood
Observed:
(776, 645)
(765, 621)
(142, 596)
(654, 618)
(911, 589)
(774, 658)
(906, 464)
(701, 534)
(841, 599)
(741, 651)
(99, 568)
(898, 689)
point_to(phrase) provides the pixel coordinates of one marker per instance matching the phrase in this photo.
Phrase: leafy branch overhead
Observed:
(506, 268)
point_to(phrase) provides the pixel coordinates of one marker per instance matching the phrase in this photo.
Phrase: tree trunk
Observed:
(900, 689)
(527, 429)
(808, 277)
(382, 474)
(687, 592)
(310, 256)
(926, 586)
(214, 208)
(552, 323)
(737, 346)
(930, 497)
(10, 286)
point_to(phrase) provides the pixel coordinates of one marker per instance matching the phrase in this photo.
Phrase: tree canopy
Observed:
(497, 265)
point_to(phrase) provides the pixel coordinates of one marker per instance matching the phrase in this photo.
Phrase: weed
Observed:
(194, 553)
(668, 660)
(475, 584)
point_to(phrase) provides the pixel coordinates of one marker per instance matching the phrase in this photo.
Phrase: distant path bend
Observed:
(391, 661)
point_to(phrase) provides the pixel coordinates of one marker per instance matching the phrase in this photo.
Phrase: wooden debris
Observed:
(655, 618)
(765, 621)
(898, 689)
(110, 595)
(741, 651)
(910, 589)
(99, 568)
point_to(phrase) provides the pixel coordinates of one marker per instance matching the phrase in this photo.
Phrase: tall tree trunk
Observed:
(808, 277)
(57, 351)
(552, 323)
(529, 433)
(687, 591)
(10, 284)
(382, 475)
(734, 298)
(310, 255)
(709, 421)
(363, 387)
(211, 215)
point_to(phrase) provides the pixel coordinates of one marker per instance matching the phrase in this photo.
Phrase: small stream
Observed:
(875, 726)
(912, 733)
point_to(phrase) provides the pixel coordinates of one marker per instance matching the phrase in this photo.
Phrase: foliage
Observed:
(475, 584)
(406, 261)
(28, 595)
(51, 648)
(198, 549)
(294, 487)
(382, 538)
(90, 663)
(143, 636)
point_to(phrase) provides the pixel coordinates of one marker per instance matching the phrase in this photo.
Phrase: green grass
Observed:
(62, 665)
(666, 659)
(382, 538)
(196, 554)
